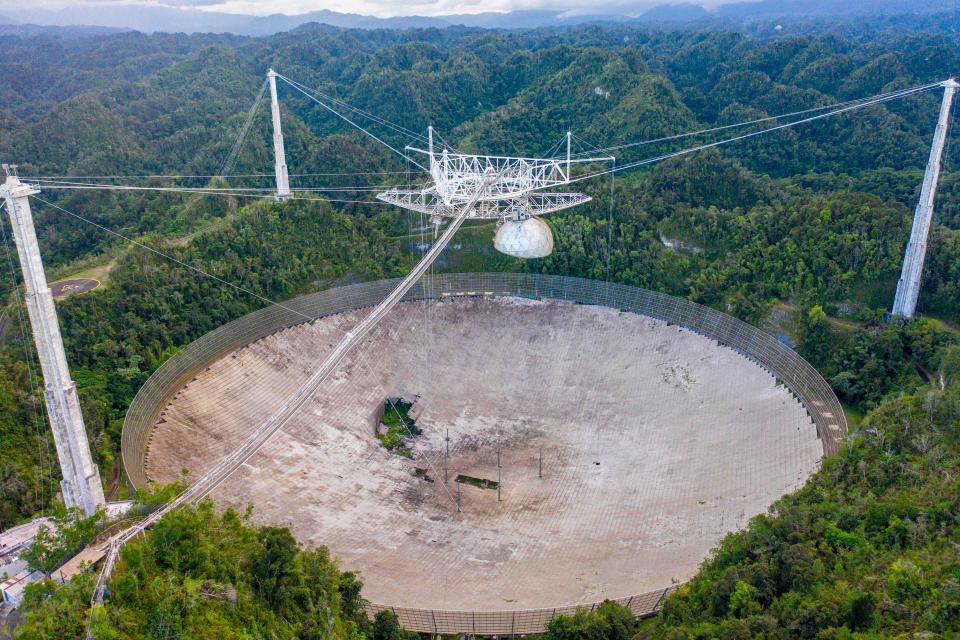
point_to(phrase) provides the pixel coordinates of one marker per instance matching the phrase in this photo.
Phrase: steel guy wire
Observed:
(872, 99)
(172, 259)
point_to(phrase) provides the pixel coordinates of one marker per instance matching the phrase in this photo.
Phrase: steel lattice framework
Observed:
(457, 177)
(430, 203)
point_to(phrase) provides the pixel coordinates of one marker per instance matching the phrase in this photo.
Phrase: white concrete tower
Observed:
(908, 288)
(81, 478)
(279, 155)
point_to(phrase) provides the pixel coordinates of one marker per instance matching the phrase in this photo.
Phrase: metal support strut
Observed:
(908, 288)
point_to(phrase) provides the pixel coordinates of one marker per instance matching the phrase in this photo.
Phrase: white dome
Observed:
(530, 238)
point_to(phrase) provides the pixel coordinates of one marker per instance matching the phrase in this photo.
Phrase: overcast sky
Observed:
(382, 8)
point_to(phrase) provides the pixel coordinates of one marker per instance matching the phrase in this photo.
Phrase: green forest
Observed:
(800, 232)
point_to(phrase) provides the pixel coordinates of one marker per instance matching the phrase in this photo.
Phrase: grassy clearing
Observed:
(845, 325)
(854, 415)
(942, 325)
(97, 268)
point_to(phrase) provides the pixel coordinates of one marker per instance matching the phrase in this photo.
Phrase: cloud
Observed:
(190, 3)
(380, 8)
(63, 4)
(389, 8)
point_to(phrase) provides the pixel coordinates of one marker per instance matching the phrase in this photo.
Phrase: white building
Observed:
(12, 588)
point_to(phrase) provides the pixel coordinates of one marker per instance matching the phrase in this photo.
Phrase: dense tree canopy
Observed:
(800, 231)
(865, 550)
(203, 574)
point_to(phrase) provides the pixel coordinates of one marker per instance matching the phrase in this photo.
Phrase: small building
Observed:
(118, 508)
(12, 568)
(80, 562)
(15, 540)
(13, 588)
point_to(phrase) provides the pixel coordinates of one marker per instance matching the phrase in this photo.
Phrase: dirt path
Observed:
(114, 482)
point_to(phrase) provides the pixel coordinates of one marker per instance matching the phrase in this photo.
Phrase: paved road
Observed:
(65, 288)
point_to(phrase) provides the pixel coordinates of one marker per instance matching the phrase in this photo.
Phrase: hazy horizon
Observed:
(373, 8)
(257, 18)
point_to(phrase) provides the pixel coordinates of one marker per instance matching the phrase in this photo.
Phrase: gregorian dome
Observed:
(529, 238)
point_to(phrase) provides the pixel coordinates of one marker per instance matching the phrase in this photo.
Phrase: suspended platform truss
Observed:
(513, 194)
(429, 202)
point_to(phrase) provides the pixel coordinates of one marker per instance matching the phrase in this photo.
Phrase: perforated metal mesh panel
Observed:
(504, 623)
(761, 348)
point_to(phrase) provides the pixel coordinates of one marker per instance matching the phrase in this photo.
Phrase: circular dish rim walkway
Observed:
(764, 350)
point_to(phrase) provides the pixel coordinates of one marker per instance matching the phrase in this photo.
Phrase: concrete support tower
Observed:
(279, 155)
(81, 478)
(908, 288)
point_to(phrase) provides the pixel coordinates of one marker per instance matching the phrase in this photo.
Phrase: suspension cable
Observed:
(172, 259)
(555, 147)
(882, 97)
(215, 192)
(238, 143)
(443, 142)
(855, 102)
(177, 176)
(348, 120)
(223, 190)
(637, 163)
(390, 125)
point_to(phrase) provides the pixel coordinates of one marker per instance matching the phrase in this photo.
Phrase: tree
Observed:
(55, 611)
(609, 621)
(386, 626)
(241, 581)
(70, 533)
(743, 601)
(273, 565)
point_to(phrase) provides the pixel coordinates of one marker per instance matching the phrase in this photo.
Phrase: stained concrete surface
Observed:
(655, 442)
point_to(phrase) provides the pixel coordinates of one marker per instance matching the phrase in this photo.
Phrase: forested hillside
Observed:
(200, 574)
(800, 231)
